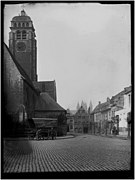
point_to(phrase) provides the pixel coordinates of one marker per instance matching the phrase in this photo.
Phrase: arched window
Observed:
(23, 25)
(23, 34)
(14, 24)
(18, 35)
(27, 24)
(19, 24)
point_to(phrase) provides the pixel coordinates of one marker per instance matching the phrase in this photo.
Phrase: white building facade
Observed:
(123, 113)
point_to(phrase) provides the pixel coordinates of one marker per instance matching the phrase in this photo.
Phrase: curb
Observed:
(26, 139)
(114, 137)
(106, 136)
(65, 137)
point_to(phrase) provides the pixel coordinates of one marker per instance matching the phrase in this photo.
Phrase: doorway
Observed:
(85, 130)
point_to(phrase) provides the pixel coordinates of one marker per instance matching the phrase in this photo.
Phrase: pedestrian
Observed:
(52, 133)
(114, 130)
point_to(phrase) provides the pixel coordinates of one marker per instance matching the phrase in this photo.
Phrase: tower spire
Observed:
(22, 6)
(23, 13)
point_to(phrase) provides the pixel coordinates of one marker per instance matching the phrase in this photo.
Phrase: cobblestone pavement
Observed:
(82, 153)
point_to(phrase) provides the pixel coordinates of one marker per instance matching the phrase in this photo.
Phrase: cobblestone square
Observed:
(80, 154)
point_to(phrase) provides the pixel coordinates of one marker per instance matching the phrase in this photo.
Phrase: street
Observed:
(82, 153)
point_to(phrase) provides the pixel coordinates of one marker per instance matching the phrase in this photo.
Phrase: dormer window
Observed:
(23, 34)
(18, 35)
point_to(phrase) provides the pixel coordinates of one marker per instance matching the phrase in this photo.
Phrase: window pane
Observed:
(18, 34)
(24, 35)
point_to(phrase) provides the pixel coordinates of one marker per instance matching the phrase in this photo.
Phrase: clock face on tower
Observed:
(21, 46)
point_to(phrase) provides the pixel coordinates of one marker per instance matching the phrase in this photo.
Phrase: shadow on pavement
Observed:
(23, 147)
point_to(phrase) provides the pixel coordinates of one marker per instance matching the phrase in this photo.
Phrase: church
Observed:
(26, 100)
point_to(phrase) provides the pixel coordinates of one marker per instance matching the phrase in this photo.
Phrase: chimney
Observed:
(99, 102)
(108, 99)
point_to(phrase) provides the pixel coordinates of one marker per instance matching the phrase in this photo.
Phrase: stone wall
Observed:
(13, 84)
(29, 98)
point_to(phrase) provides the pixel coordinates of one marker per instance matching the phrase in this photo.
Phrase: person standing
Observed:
(52, 133)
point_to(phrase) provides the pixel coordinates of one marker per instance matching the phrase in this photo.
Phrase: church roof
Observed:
(21, 70)
(46, 103)
(48, 87)
(21, 18)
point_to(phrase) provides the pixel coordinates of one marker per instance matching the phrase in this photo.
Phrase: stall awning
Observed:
(45, 122)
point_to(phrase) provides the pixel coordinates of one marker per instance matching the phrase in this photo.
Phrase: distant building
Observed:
(127, 99)
(123, 113)
(81, 121)
(102, 117)
(105, 114)
(70, 121)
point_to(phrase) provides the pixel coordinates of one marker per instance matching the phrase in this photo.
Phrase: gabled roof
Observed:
(127, 89)
(106, 105)
(46, 103)
(21, 70)
(101, 107)
(117, 95)
(81, 110)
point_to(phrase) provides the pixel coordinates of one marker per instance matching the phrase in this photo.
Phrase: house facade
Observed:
(123, 113)
(102, 117)
(81, 121)
(113, 112)
(70, 121)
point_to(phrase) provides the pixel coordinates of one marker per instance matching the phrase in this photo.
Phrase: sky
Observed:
(84, 47)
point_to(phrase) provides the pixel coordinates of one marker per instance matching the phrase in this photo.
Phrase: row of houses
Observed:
(106, 117)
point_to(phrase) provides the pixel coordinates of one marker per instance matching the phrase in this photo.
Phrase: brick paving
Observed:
(82, 153)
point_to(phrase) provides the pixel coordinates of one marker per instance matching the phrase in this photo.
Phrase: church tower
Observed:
(22, 44)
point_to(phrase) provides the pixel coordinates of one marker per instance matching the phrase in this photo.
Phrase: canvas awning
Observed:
(45, 122)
